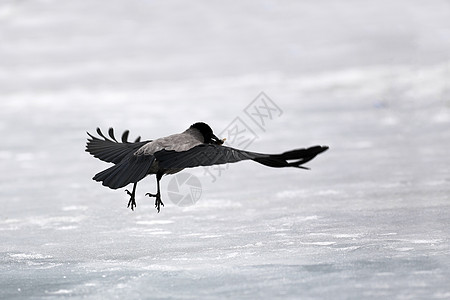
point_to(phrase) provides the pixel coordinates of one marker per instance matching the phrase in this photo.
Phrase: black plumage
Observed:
(197, 146)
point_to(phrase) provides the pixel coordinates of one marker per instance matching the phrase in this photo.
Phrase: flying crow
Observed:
(196, 146)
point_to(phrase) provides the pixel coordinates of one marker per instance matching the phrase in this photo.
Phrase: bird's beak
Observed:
(217, 141)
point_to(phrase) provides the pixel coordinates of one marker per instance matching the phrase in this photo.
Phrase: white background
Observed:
(371, 79)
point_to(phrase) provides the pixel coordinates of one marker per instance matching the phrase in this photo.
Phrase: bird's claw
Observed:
(158, 201)
(132, 201)
(131, 204)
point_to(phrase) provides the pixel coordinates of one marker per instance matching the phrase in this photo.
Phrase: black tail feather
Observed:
(301, 156)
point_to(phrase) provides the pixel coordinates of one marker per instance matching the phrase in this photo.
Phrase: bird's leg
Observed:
(158, 201)
(132, 201)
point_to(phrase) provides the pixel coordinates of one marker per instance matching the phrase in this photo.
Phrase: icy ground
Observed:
(369, 79)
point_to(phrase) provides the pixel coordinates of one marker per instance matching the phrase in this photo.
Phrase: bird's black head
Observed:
(207, 133)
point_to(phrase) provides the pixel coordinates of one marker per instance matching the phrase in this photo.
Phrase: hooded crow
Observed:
(196, 146)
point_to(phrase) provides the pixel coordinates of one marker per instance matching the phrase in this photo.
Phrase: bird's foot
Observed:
(158, 201)
(132, 202)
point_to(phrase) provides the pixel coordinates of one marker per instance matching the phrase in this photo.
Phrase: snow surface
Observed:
(369, 79)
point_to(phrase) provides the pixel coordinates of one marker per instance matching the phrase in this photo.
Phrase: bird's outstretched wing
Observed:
(210, 154)
(110, 150)
(130, 170)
